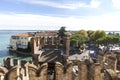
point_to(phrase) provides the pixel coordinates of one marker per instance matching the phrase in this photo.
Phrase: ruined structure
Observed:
(50, 40)
(63, 69)
(53, 71)
(50, 62)
(110, 65)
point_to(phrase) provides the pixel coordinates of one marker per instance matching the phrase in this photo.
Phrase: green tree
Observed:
(78, 39)
(114, 39)
(109, 39)
(83, 32)
(99, 34)
(90, 32)
(62, 32)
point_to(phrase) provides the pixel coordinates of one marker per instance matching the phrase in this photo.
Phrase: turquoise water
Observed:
(4, 43)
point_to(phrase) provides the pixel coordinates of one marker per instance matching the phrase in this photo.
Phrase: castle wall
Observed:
(3, 71)
(101, 59)
(118, 60)
(30, 72)
(35, 44)
(82, 71)
(15, 62)
(111, 60)
(87, 70)
(13, 74)
(42, 72)
(97, 72)
(59, 68)
(69, 71)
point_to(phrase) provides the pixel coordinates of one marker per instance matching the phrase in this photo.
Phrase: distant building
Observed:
(38, 41)
(20, 41)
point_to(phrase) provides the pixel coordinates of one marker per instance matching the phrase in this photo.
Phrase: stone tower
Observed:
(35, 44)
(67, 43)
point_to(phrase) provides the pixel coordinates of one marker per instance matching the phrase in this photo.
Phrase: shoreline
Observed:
(19, 53)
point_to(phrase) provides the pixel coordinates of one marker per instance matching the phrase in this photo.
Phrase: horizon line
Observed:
(52, 30)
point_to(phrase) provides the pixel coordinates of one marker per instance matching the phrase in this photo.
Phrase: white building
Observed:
(20, 41)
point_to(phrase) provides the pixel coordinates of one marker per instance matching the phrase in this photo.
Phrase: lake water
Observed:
(4, 43)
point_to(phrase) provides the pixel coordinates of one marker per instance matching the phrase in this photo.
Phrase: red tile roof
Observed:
(23, 35)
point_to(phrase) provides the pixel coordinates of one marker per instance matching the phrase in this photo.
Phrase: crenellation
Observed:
(23, 62)
(82, 71)
(97, 72)
(7, 62)
(59, 70)
(15, 62)
(50, 61)
(69, 71)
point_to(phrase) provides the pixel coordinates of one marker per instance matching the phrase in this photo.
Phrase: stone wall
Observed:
(50, 42)
(108, 61)
(87, 70)
(59, 68)
(82, 71)
(35, 44)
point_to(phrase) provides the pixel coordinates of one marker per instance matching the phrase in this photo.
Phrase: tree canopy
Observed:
(79, 38)
(62, 32)
(98, 34)
(98, 37)
(83, 32)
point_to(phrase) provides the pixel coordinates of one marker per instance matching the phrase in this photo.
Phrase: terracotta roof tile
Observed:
(23, 35)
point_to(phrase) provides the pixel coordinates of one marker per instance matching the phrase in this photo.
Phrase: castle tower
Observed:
(67, 43)
(35, 44)
(67, 46)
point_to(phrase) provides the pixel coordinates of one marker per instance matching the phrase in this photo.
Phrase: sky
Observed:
(53, 14)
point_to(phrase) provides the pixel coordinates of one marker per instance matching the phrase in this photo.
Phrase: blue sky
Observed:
(52, 14)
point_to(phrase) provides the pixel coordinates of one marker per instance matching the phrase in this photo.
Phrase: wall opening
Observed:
(51, 71)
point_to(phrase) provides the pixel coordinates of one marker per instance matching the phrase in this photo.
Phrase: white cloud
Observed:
(67, 5)
(95, 3)
(30, 21)
(116, 3)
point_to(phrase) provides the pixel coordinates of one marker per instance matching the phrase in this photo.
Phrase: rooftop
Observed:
(46, 33)
(23, 35)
